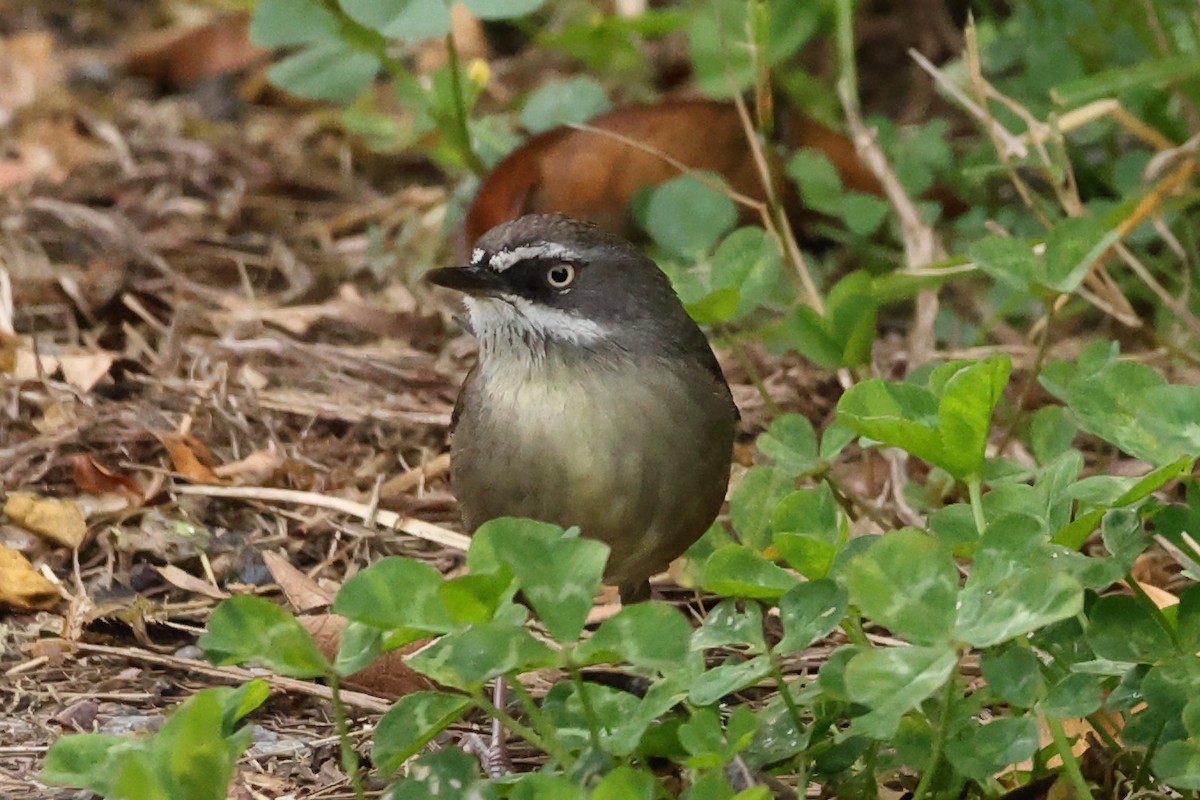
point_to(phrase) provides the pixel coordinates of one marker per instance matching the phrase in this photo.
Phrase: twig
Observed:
(388, 519)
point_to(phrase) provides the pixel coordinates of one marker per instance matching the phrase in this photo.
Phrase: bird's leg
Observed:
(494, 755)
(634, 592)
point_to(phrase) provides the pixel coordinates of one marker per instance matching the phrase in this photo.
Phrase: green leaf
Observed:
(476, 598)
(1072, 246)
(980, 751)
(502, 9)
(753, 502)
(1178, 764)
(557, 103)
(731, 624)
(735, 571)
(1007, 260)
(86, 761)
(818, 180)
(1051, 433)
(396, 593)
(325, 71)
(358, 646)
(1122, 629)
(843, 336)
(687, 217)
(862, 213)
(748, 262)
(907, 582)
(448, 772)
(1015, 675)
(893, 680)
(1074, 697)
(965, 413)
(625, 783)
(253, 629)
(559, 575)
(809, 611)
(409, 20)
(411, 723)
(467, 659)
(791, 443)
(282, 23)
(651, 636)
(733, 676)
(945, 425)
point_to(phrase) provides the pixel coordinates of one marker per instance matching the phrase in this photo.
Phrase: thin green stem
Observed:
(852, 627)
(785, 691)
(546, 730)
(348, 753)
(461, 132)
(975, 490)
(546, 745)
(1070, 764)
(847, 69)
(589, 712)
(939, 739)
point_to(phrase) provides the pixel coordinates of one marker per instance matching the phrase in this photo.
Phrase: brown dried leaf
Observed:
(95, 479)
(9, 343)
(175, 59)
(592, 176)
(21, 586)
(387, 676)
(189, 456)
(85, 371)
(190, 583)
(302, 592)
(256, 468)
(58, 520)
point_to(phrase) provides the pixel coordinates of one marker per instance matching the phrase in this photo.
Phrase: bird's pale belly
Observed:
(640, 463)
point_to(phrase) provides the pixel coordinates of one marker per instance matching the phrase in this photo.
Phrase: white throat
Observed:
(512, 324)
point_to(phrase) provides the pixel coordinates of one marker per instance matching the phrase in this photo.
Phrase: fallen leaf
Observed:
(301, 591)
(254, 469)
(85, 371)
(9, 343)
(23, 587)
(592, 176)
(387, 676)
(58, 520)
(95, 479)
(176, 59)
(189, 456)
(56, 417)
(190, 583)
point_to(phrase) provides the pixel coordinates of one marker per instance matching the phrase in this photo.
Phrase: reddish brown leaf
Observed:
(592, 176)
(95, 479)
(174, 59)
(387, 676)
(189, 456)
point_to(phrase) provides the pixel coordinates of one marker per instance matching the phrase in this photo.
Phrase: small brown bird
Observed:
(596, 402)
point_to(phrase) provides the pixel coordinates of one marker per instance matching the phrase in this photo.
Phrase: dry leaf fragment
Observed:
(95, 479)
(85, 371)
(178, 58)
(189, 456)
(301, 591)
(58, 520)
(256, 468)
(23, 587)
(190, 583)
(387, 676)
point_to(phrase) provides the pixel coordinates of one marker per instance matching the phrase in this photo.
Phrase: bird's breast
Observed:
(635, 455)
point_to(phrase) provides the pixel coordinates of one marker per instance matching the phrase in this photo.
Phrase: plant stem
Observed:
(785, 692)
(589, 712)
(462, 133)
(543, 737)
(348, 753)
(939, 739)
(1154, 611)
(1070, 765)
(975, 490)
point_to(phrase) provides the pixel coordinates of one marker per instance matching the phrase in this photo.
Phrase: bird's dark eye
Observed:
(560, 276)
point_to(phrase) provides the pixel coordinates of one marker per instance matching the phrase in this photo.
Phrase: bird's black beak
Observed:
(476, 279)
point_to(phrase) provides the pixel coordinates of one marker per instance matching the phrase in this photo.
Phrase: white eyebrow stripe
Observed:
(508, 258)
